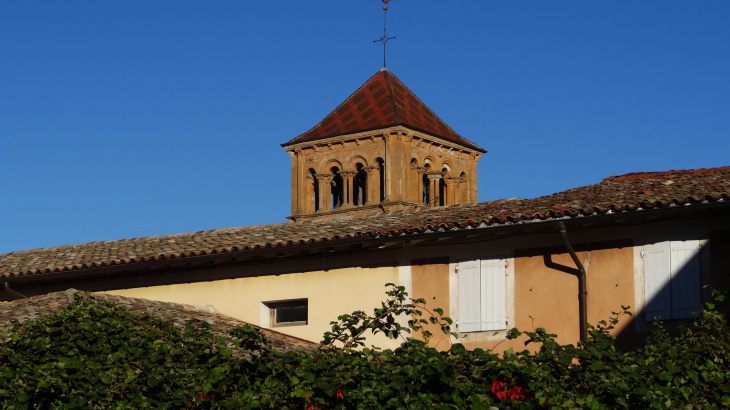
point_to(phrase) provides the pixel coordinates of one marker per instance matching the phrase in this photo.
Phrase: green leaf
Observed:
(303, 393)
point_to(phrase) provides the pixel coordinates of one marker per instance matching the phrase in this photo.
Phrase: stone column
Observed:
(373, 190)
(434, 179)
(451, 183)
(325, 192)
(347, 189)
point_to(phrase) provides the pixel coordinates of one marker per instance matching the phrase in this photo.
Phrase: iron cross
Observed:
(385, 37)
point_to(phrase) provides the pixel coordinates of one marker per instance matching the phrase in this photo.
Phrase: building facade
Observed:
(385, 192)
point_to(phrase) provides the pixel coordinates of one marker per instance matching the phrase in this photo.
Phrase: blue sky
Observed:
(136, 118)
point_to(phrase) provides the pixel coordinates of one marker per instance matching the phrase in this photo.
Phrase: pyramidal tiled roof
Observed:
(383, 101)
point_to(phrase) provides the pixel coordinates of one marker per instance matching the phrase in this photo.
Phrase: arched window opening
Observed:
(443, 189)
(337, 188)
(381, 172)
(313, 193)
(359, 191)
(426, 186)
(442, 192)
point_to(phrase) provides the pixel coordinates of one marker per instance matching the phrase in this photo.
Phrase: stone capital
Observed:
(451, 181)
(371, 170)
(325, 178)
(434, 175)
(347, 174)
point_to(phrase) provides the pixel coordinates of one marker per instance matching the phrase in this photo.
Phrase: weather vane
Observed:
(385, 37)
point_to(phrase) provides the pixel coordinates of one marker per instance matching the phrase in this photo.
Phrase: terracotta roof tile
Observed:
(647, 190)
(38, 306)
(383, 101)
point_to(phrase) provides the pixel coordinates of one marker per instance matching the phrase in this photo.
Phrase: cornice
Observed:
(413, 134)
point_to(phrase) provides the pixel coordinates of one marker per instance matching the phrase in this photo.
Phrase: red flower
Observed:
(339, 395)
(516, 393)
(497, 386)
(501, 395)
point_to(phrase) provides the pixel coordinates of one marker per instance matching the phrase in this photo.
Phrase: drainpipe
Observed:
(582, 292)
(15, 294)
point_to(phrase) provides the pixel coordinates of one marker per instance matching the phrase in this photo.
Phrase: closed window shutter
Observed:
(657, 281)
(685, 269)
(469, 296)
(493, 290)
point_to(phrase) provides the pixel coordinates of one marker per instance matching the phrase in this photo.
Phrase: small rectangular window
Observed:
(288, 313)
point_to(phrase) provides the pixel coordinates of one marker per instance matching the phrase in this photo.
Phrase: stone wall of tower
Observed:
(383, 170)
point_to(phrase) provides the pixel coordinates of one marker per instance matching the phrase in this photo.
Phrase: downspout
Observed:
(582, 292)
(15, 294)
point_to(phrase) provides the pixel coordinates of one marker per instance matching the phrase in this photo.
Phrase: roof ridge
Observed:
(431, 111)
(671, 172)
(335, 110)
(393, 105)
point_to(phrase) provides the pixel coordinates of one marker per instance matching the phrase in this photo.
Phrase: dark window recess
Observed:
(290, 313)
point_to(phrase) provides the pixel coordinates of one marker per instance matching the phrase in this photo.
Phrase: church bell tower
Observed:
(381, 150)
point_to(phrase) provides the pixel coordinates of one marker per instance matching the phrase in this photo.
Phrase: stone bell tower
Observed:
(381, 150)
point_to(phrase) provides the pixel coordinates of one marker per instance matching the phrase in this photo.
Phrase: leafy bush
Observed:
(100, 355)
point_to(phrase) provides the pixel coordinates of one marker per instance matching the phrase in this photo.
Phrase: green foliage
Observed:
(100, 355)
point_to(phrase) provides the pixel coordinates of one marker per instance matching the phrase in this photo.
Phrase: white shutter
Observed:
(657, 281)
(685, 268)
(469, 296)
(493, 290)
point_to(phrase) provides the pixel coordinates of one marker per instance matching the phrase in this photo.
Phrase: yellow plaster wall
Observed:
(330, 293)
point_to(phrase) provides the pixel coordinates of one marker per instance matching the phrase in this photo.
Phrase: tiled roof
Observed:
(37, 306)
(383, 101)
(648, 190)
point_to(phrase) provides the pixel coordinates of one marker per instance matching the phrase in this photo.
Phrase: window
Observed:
(482, 295)
(672, 279)
(288, 313)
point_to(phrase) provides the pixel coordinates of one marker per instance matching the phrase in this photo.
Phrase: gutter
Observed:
(582, 292)
(15, 295)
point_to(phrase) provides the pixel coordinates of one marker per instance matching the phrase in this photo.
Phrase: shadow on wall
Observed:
(672, 288)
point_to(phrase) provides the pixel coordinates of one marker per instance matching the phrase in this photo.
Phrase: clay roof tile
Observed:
(382, 102)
